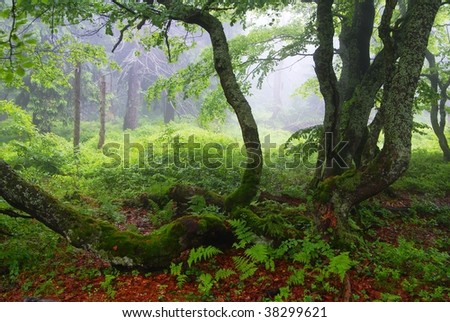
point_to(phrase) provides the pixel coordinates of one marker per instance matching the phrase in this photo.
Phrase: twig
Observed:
(122, 31)
(13, 29)
(166, 38)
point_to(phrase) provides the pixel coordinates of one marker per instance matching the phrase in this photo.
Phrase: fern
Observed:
(297, 277)
(312, 251)
(340, 264)
(224, 273)
(283, 295)
(202, 253)
(258, 253)
(176, 270)
(275, 225)
(244, 266)
(243, 233)
(181, 280)
(206, 283)
(286, 246)
(197, 204)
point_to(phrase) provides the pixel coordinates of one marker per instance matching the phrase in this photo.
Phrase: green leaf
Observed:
(20, 71)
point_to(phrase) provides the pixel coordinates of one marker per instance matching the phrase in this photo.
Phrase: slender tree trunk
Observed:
(122, 248)
(168, 109)
(77, 108)
(277, 89)
(251, 178)
(437, 112)
(134, 97)
(102, 132)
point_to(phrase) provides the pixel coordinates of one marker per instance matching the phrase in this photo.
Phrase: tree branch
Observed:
(13, 29)
(124, 7)
(166, 38)
(122, 31)
(13, 214)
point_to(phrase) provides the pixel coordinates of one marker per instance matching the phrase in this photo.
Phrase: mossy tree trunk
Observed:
(223, 66)
(403, 57)
(323, 59)
(122, 248)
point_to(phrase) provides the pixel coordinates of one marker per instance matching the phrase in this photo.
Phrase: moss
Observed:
(245, 193)
(324, 190)
(348, 181)
(149, 252)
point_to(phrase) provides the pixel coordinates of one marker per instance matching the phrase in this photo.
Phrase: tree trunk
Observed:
(353, 186)
(169, 111)
(102, 132)
(134, 97)
(354, 49)
(437, 112)
(277, 89)
(251, 178)
(77, 108)
(122, 248)
(323, 59)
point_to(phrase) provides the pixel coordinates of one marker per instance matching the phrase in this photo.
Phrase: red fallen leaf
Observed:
(114, 247)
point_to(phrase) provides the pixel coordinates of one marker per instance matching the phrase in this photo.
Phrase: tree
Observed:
(397, 68)
(134, 96)
(102, 110)
(439, 97)
(77, 107)
(433, 88)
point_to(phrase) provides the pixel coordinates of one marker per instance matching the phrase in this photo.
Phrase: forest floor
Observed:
(401, 253)
(76, 275)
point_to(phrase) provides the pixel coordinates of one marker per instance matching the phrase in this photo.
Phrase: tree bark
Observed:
(169, 112)
(354, 49)
(122, 248)
(323, 59)
(77, 108)
(437, 112)
(134, 97)
(102, 132)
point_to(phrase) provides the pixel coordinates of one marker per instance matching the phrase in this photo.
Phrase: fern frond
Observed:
(206, 283)
(202, 253)
(181, 280)
(243, 233)
(258, 253)
(175, 269)
(245, 267)
(224, 273)
(340, 264)
(297, 277)
(285, 292)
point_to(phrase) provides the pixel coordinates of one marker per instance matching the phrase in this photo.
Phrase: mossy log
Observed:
(182, 195)
(123, 248)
